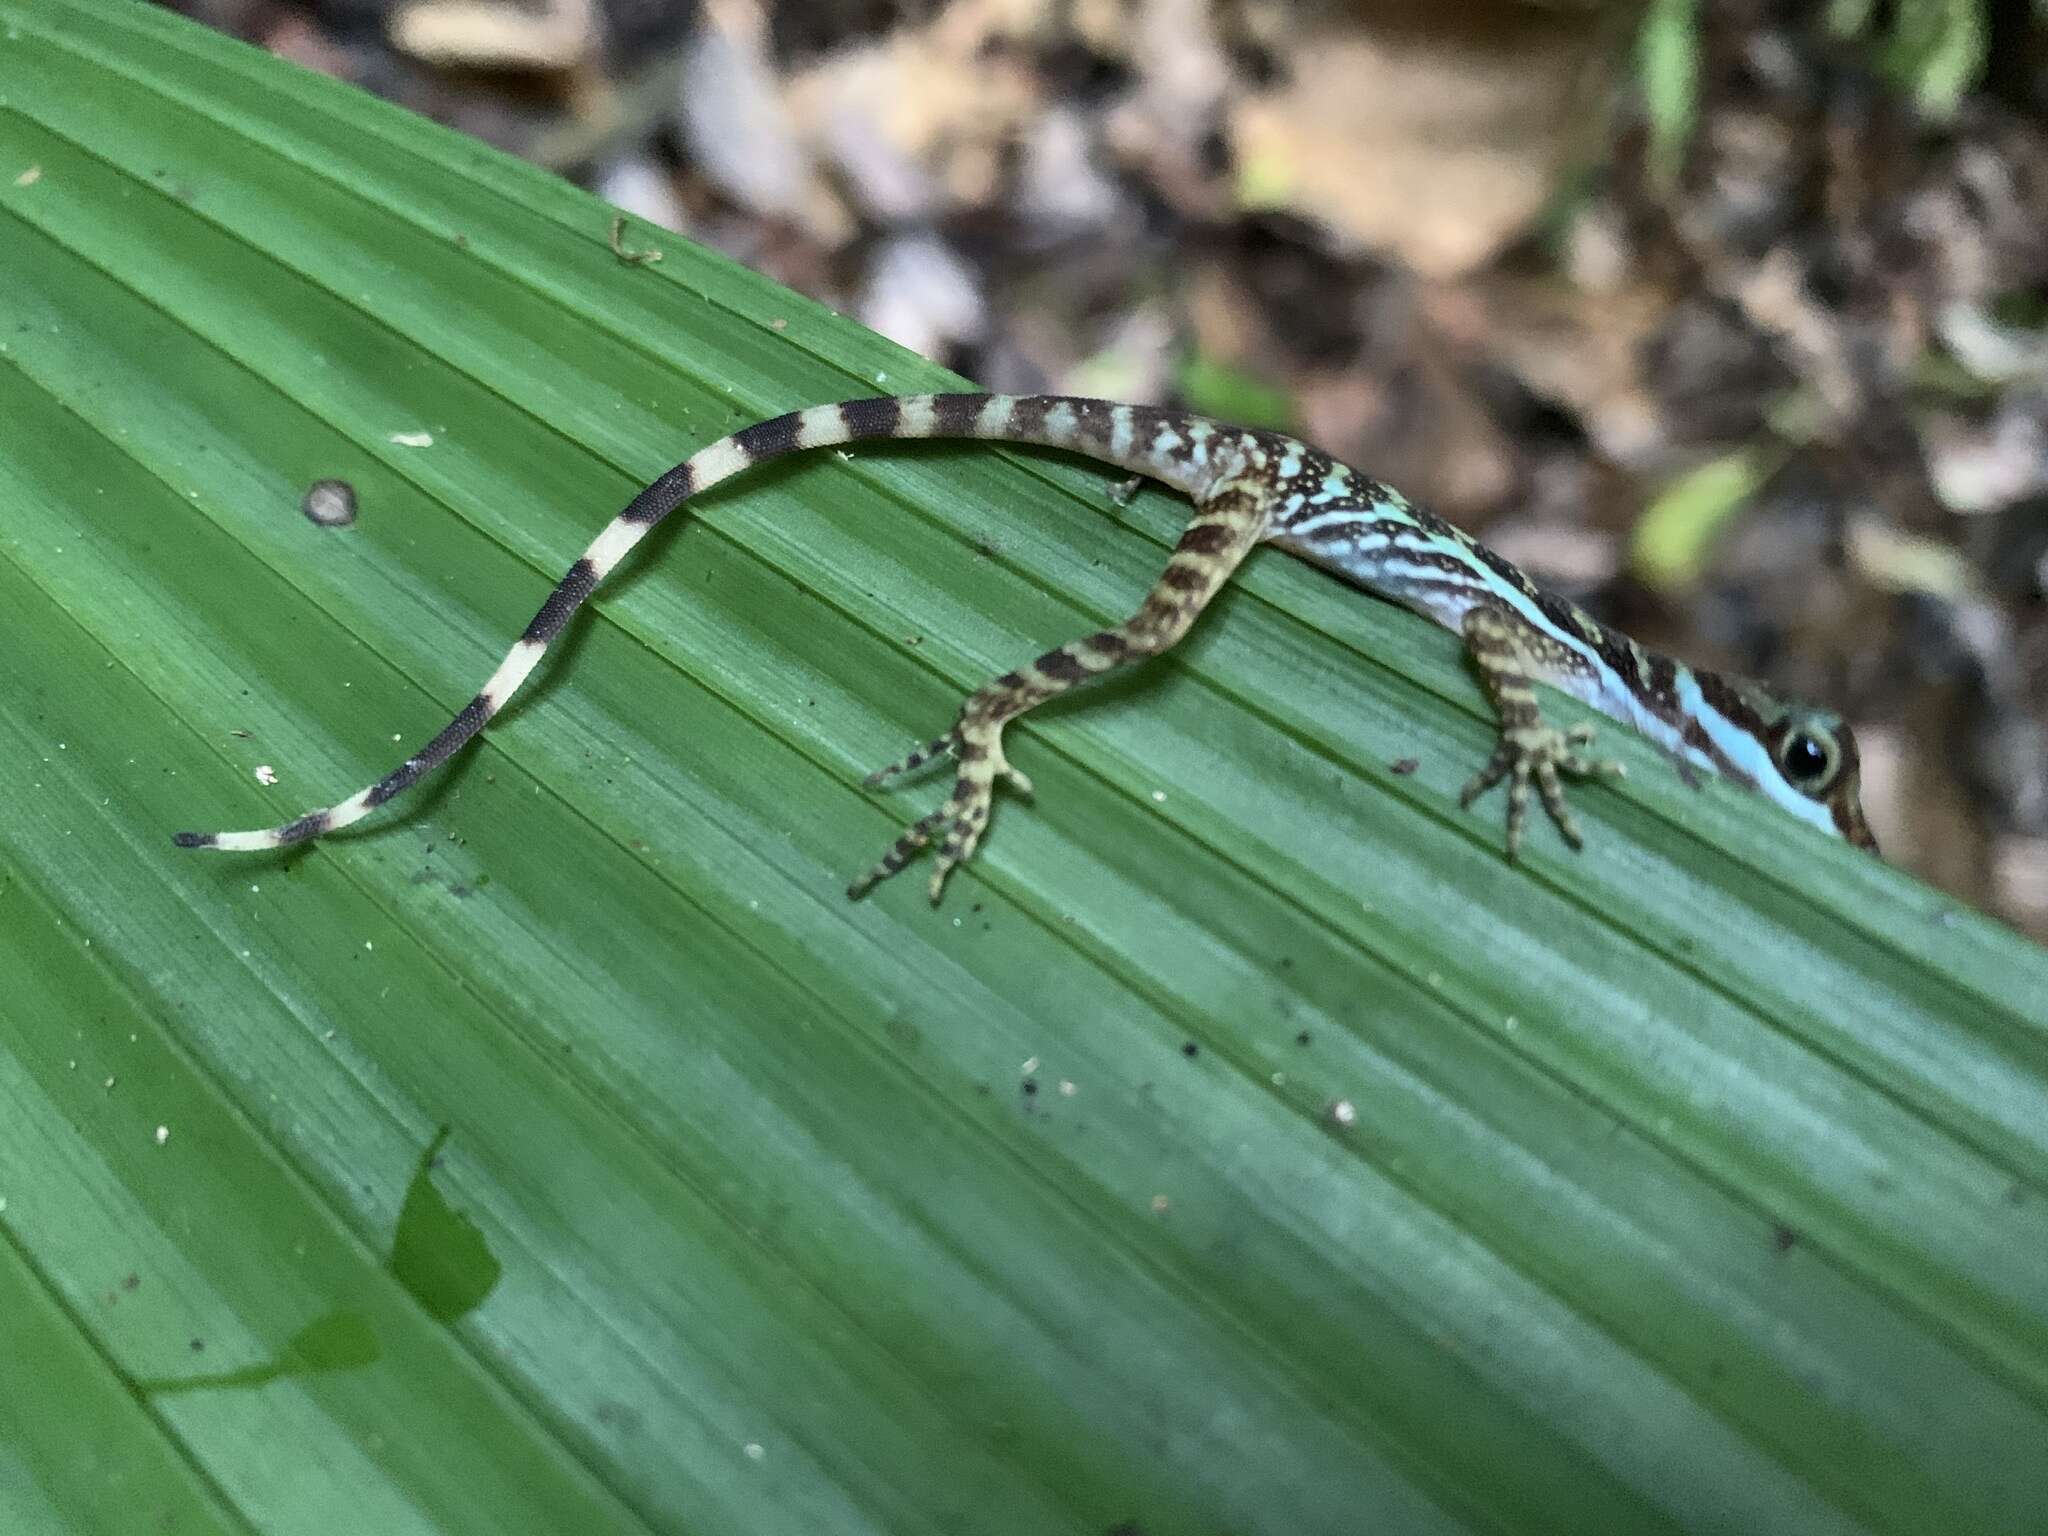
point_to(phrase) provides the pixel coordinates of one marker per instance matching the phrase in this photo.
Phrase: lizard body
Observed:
(1247, 487)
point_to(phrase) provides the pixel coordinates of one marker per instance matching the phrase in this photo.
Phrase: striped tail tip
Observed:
(311, 825)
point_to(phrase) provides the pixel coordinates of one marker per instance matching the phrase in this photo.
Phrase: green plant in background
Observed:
(1215, 388)
(1668, 75)
(1674, 538)
(1245, 1147)
(1936, 49)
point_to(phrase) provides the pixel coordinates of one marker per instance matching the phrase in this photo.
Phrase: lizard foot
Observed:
(1535, 751)
(977, 747)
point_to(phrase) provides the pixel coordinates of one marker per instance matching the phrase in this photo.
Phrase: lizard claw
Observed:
(911, 761)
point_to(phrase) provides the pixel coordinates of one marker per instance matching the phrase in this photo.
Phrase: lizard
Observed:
(1246, 487)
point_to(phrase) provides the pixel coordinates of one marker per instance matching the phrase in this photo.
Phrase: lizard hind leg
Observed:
(1223, 530)
(1511, 656)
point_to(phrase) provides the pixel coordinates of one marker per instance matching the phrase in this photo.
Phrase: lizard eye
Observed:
(1809, 759)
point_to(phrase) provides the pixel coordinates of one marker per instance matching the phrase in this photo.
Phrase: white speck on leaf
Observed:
(329, 503)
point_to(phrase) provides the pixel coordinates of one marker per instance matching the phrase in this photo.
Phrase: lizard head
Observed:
(1808, 763)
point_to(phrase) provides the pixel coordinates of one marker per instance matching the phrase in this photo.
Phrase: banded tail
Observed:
(1164, 445)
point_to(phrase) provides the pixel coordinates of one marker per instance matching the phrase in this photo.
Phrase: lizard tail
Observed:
(1061, 422)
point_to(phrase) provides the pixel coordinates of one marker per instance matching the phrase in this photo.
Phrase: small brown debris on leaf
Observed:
(630, 258)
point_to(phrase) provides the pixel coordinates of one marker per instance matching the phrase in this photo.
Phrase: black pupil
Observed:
(1804, 757)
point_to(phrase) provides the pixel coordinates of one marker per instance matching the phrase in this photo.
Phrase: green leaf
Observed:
(1697, 1182)
(1216, 388)
(1938, 48)
(1668, 69)
(1677, 531)
(1934, 48)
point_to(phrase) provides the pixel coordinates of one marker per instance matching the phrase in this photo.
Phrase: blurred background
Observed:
(1726, 318)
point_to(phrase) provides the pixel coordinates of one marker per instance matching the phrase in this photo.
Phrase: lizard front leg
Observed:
(1226, 525)
(1511, 655)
